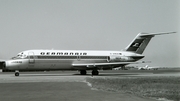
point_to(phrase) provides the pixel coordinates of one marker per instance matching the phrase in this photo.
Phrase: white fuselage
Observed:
(64, 59)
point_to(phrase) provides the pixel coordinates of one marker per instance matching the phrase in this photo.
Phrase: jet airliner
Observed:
(149, 68)
(81, 60)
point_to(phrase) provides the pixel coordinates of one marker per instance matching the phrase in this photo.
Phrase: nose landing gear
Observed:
(16, 73)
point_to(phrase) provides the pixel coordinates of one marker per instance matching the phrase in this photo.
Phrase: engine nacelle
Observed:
(119, 59)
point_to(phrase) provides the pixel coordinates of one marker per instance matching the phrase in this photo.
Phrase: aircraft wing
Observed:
(90, 65)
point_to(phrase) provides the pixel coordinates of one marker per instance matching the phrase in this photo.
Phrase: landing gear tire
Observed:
(83, 72)
(95, 72)
(17, 74)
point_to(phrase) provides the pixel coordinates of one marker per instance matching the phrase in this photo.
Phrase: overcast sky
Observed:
(90, 25)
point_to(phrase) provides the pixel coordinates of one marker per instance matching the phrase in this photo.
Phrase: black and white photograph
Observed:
(90, 50)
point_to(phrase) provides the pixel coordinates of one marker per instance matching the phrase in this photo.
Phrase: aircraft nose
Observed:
(2, 64)
(6, 65)
(9, 65)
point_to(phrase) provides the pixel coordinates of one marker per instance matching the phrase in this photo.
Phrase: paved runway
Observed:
(66, 86)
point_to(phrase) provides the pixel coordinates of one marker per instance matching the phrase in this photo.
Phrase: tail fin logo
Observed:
(136, 45)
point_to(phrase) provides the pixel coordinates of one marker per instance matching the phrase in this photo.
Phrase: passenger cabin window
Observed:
(53, 53)
(42, 53)
(59, 53)
(84, 53)
(76, 53)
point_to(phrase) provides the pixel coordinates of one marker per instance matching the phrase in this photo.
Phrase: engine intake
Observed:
(119, 59)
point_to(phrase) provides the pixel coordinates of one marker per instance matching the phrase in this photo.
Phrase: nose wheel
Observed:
(16, 73)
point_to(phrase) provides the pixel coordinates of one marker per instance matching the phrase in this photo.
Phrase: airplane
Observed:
(81, 60)
(149, 68)
(143, 68)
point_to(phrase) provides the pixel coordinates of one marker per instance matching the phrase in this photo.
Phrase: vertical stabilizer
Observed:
(140, 42)
(146, 66)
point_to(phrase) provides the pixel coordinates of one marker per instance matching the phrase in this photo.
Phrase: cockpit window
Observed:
(20, 56)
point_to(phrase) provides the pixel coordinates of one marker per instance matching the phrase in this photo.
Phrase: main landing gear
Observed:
(16, 73)
(94, 72)
(83, 72)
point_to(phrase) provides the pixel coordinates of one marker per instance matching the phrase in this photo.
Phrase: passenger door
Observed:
(31, 58)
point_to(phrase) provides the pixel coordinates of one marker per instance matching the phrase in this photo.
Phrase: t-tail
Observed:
(140, 42)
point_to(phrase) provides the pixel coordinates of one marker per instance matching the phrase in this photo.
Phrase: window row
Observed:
(71, 57)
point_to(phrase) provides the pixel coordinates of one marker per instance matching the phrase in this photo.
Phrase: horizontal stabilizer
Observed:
(152, 34)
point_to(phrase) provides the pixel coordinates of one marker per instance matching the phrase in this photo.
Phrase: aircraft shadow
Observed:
(112, 74)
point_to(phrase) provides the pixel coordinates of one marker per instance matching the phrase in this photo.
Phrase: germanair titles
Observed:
(62, 53)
